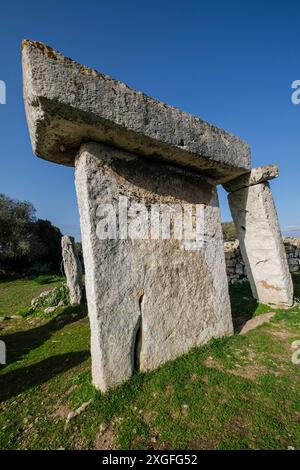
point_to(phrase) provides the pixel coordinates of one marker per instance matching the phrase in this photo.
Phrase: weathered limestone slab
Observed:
(149, 299)
(67, 104)
(257, 175)
(255, 322)
(73, 270)
(256, 221)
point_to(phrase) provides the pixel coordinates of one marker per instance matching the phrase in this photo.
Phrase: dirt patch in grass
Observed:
(61, 412)
(202, 443)
(149, 416)
(283, 335)
(106, 436)
(247, 371)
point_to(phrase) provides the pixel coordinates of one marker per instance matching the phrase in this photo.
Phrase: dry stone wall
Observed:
(235, 265)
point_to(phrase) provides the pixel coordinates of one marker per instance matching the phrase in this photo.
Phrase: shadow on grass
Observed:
(243, 305)
(22, 342)
(15, 382)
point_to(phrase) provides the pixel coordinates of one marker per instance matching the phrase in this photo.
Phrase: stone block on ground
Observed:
(255, 322)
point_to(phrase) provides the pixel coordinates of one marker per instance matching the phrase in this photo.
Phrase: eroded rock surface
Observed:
(261, 244)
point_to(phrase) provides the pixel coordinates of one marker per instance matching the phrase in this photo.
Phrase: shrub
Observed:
(26, 241)
(229, 231)
(57, 295)
(25, 311)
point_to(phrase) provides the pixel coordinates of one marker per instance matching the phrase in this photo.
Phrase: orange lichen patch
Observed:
(266, 285)
(53, 54)
(46, 50)
(88, 71)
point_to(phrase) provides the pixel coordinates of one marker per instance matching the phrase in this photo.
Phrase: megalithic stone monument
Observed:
(146, 176)
(254, 214)
(149, 299)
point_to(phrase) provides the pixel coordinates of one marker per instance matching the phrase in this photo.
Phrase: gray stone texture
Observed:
(67, 103)
(257, 175)
(149, 301)
(72, 268)
(235, 265)
(261, 244)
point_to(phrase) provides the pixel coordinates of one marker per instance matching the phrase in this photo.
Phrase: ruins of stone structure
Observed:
(152, 293)
(72, 268)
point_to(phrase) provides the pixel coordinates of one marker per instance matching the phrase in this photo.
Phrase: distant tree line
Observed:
(25, 241)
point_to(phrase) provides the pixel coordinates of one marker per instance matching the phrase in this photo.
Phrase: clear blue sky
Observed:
(229, 62)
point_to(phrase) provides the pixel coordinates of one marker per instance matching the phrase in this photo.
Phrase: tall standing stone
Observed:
(149, 300)
(72, 268)
(258, 231)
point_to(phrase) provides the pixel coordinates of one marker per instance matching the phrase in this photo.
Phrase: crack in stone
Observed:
(138, 334)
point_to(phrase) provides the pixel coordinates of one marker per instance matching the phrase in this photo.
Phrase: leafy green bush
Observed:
(25, 311)
(229, 231)
(59, 296)
(25, 241)
(47, 279)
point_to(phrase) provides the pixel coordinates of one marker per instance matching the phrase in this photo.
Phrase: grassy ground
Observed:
(17, 294)
(241, 392)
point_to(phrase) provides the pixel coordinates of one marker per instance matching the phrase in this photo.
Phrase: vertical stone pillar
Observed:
(254, 214)
(150, 298)
(73, 270)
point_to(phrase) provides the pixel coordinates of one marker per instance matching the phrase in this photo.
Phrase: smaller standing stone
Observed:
(73, 270)
(254, 214)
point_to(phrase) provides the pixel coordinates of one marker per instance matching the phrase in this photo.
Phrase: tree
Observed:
(49, 238)
(24, 240)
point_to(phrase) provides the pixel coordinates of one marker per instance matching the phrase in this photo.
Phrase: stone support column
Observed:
(150, 297)
(254, 214)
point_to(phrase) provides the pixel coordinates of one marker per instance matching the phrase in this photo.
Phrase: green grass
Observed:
(17, 294)
(241, 392)
(48, 279)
